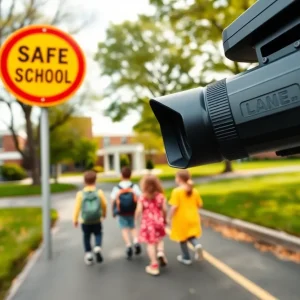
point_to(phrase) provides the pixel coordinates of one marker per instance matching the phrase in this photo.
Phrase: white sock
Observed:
(135, 241)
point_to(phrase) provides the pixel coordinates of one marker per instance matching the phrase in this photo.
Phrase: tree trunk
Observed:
(55, 173)
(32, 153)
(228, 167)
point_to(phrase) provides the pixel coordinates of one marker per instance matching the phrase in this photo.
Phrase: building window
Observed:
(106, 141)
(1, 142)
(124, 140)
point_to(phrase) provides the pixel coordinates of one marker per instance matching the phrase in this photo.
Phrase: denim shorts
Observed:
(126, 222)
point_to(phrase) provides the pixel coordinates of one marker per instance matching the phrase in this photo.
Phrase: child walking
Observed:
(185, 219)
(124, 201)
(152, 209)
(91, 206)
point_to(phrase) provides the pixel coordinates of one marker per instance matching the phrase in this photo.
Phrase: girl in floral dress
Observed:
(152, 208)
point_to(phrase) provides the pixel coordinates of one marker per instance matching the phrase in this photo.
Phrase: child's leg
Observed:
(198, 248)
(151, 249)
(86, 237)
(126, 237)
(97, 231)
(194, 241)
(134, 235)
(161, 254)
(98, 235)
(153, 268)
(161, 247)
(88, 258)
(185, 251)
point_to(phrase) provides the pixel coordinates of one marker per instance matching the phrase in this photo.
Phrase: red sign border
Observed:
(29, 98)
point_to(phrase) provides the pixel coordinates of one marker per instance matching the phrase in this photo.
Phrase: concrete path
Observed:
(231, 270)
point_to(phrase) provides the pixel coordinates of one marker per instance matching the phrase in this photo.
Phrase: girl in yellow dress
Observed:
(185, 219)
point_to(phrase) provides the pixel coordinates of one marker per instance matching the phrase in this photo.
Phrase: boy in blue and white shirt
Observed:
(126, 220)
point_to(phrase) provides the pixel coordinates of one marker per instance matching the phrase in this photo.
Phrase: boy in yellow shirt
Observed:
(185, 219)
(91, 206)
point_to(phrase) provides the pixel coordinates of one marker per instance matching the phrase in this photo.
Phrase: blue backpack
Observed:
(126, 201)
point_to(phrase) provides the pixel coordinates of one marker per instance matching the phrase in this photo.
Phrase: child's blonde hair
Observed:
(185, 177)
(151, 185)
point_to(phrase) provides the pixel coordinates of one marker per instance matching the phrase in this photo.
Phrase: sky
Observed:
(103, 13)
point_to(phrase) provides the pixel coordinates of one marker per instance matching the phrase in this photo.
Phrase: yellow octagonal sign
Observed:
(42, 65)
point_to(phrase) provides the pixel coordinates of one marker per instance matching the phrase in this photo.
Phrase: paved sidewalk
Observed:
(66, 276)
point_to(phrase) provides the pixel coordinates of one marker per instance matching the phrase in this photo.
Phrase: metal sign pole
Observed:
(45, 164)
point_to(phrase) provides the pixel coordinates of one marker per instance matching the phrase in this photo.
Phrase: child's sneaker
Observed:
(88, 258)
(129, 253)
(152, 270)
(138, 249)
(99, 257)
(162, 259)
(198, 252)
(184, 261)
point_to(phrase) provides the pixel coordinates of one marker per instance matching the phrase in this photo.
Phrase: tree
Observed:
(152, 143)
(85, 152)
(13, 17)
(202, 22)
(144, 59)
(62, 140)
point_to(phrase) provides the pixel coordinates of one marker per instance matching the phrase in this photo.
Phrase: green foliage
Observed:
(149, 164)
(98, 169)
(152, 143)
(20, 234)
(146, 58)
(85, 151)
(124, 161)
(11, 172)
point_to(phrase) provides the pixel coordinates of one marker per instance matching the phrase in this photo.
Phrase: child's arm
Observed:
(77, 208)
(165, 210)
(103, 204)
(113, 196)
(199, 201)
(138, 211)
(172, 211)
(174, 202)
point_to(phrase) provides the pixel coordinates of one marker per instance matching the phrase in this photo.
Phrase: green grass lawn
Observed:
(272, 201)
(218, 168)
(168, 173)
(11, 190)
(20, 234)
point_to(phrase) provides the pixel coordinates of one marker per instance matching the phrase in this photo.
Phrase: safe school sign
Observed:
(42, 65)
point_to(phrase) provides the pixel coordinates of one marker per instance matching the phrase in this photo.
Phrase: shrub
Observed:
(98, 169)
(13, 172)
(124, 161)
(149, 164)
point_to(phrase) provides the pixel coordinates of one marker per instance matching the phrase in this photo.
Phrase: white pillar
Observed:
(138, 161)
(117, 163)
(106, 163)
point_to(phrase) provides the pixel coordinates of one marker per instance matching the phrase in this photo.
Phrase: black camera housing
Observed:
(264, 32)
(247, 114)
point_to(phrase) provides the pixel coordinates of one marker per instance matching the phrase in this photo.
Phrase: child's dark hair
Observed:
(151, 185)
(126, 172)
(185, 177)
(90, 177)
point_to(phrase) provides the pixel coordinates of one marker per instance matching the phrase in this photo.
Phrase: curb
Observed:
(31, 261)
(261, 233)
